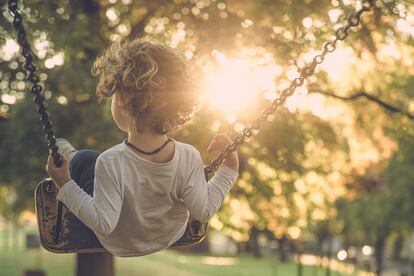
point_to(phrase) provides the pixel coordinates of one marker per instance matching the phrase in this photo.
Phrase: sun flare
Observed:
(234, 84)
(229, 86)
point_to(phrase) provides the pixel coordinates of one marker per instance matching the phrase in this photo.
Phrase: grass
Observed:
(13, 263)
(15, 259)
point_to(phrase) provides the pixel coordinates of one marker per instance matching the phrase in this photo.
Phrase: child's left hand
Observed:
(219, 144)
(59, 175)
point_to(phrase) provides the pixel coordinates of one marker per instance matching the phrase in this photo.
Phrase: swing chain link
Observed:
(341, 34)
(34, 79)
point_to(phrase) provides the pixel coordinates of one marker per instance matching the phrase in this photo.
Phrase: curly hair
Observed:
(154, 84)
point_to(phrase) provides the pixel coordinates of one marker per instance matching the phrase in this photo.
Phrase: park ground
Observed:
(13, 263)
(15, 258)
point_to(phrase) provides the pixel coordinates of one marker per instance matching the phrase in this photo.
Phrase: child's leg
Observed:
(82, 169)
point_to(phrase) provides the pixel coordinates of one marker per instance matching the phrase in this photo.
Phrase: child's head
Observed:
(152, 84)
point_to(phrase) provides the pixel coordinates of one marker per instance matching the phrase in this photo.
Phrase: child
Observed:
(145, 187)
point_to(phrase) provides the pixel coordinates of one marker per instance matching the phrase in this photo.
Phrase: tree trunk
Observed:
(320, 253)
(329, 255)
(282, 249)
(254, 241)
(398, 246)
(300, 266)
(95, 264)
(379, 254)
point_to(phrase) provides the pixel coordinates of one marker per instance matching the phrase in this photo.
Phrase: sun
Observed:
(234, 84)
(230, 86)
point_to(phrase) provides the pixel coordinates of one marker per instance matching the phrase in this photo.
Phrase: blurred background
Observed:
(325, 188)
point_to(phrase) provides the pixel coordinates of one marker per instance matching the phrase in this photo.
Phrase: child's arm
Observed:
(203, 198)
(100, 212)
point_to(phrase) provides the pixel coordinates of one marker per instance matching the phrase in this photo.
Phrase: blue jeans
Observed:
(82, 169)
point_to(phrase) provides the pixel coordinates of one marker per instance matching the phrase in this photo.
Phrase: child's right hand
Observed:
(218, 145)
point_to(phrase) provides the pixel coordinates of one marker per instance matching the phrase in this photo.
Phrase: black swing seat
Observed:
(62, 232)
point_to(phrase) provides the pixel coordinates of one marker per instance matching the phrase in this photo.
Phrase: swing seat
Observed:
(75, 237)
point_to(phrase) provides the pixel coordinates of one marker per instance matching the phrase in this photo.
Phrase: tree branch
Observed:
(378, 101)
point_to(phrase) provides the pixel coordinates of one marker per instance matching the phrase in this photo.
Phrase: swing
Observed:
(60, 230)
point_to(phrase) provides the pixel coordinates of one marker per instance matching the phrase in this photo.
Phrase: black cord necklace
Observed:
(148, 152)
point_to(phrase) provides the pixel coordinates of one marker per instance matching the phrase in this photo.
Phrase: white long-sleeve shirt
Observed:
(140, 207)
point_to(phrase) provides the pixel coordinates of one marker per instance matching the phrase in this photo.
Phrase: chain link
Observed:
(34, 79)
(341, 34)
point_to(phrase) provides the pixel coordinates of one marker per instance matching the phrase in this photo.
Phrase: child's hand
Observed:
(219, 143)
(59, 175)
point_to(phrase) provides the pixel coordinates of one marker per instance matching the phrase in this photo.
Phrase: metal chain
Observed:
(342, 33)
(34, 79)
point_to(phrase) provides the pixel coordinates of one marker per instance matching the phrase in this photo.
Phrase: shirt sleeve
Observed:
(202, 198)
(100, 212)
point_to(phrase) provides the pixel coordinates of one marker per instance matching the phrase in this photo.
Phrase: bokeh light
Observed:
(342, 255)
(366, 250)
(9, 49)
